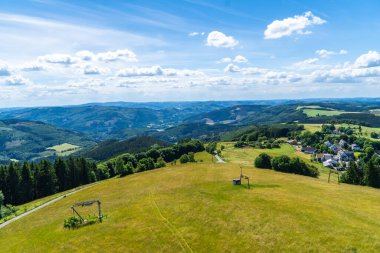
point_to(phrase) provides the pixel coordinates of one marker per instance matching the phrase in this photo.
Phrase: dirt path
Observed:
(219, 160)
(42, 206)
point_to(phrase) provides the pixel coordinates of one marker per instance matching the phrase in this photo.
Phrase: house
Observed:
(331, 163)
(342, 143)
(345, 156)
(355, 147)
(319, 157)
(327, 157)
(328, 144)
(309, 150)
(292, 142)
(335, 148)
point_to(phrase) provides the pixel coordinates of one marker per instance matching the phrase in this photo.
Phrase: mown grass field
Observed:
(320, 112)
(195, 208)
(64, 149)
(366, 131)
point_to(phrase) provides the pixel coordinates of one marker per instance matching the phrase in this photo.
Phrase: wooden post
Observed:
(338, 178)
(100, 211)
(329, 176)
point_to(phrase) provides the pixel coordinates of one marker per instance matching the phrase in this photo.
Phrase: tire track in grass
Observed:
(182, 242)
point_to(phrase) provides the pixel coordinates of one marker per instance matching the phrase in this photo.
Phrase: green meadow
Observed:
(195, 208)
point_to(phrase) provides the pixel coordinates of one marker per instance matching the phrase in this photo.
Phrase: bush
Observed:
(293, 165)
(72, 222)
(263, 161)
(184, 159)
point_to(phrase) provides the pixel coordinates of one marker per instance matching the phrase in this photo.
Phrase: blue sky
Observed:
(68, 52)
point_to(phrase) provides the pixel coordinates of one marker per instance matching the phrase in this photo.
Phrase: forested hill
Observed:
(30, 140)
(111, 148)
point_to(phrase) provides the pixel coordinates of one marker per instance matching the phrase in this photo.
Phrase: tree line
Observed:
(153, 158)
(24, 182)
(286, 164)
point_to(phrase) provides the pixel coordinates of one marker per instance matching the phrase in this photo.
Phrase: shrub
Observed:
(184, 159)
(72, 222)
(263, 161)
(293, 165)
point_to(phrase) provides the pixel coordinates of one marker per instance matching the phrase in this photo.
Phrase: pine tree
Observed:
(46, 179)
(26, 184)
(13, 183)
(61, 171)
(373, 172)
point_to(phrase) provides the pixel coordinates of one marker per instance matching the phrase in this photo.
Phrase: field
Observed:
(195, 208)
(366, 131)
(64, 149)
(320, 112)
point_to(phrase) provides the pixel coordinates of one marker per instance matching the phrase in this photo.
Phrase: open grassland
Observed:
(64, 149)
(366, 131)
(316, 112)
(195, 208)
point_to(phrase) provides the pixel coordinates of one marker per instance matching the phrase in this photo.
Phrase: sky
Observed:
(55, 52)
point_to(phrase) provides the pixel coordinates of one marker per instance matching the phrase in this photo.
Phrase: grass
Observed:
(195, 208)
(64, 149)
(316, 112)
(366, 131)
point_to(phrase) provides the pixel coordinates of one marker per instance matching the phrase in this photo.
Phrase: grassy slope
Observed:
(194, 207)
(366, 131)
(315, 112)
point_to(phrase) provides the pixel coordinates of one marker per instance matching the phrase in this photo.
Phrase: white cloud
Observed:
(4, 69)
(232, 68)
(157, 71)
(370, 59)
(193, 34)
(32, 66)
(121, 54)
(323, 53)
(292, 25)
(93, 70)
(219, 39)
(64, 59)
(225, 60)
(240, 59)
(16, 81)
(305, 64)
(86, 55)
(149, 71)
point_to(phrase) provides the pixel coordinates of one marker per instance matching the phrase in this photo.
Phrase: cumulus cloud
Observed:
(32, 66)
(4, 69)
(64, 59)
(225, 60)
(323, 53)
(219, 39)
(93, 70)
(86, 55)
(370, 59)
(236, 59)
(240, 59)
(232, 68)
(122, 54)
(16, 81)
(292, 25)
(305, 63)
(157, 71)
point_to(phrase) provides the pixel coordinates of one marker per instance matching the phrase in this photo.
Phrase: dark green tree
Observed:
(26, 186)
(46, 179)
(263, 161)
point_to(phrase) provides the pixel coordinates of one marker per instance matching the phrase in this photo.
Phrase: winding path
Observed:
(42, 206)
(218, 159)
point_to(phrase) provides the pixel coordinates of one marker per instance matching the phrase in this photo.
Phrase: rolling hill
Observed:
(195, 208)
(30, 140)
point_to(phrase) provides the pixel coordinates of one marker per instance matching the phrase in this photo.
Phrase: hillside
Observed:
(195, 208)
(30, 140)
(111, 148)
